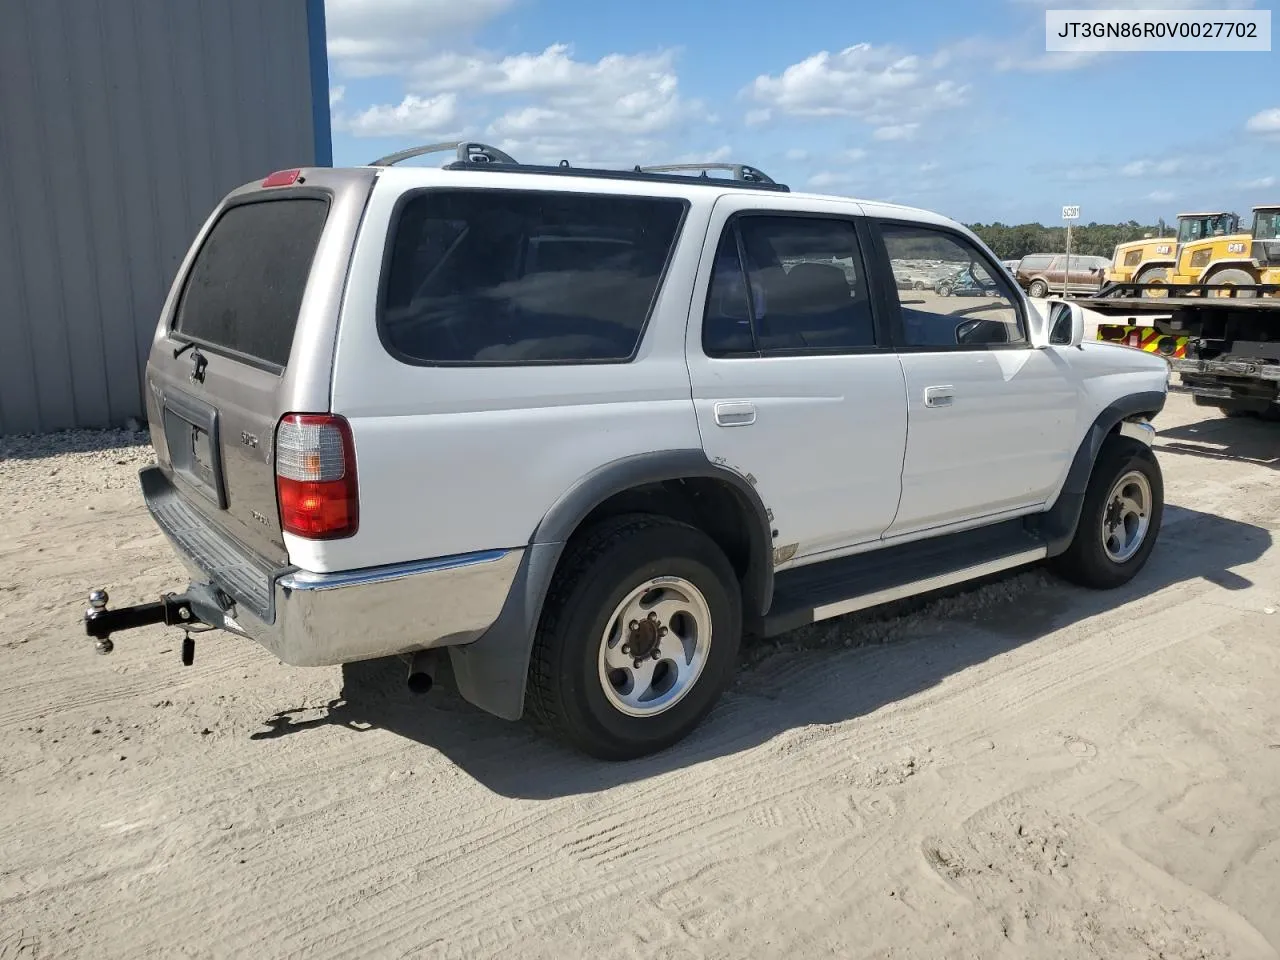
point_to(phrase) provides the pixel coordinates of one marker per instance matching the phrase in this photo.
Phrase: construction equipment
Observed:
(1226, 351)
(1230, 261)
(1150, 260)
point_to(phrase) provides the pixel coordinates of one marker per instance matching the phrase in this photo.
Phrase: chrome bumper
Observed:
(322, 619)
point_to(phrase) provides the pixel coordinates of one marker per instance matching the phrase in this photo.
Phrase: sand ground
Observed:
(1023, 770)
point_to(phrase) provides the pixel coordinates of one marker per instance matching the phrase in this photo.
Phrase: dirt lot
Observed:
(1024, 770)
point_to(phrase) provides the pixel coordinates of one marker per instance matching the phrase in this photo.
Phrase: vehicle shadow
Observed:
(1247, 439)
(37, 446)
(909, 647)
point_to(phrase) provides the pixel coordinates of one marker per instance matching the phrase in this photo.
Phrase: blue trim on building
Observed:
(319, 56)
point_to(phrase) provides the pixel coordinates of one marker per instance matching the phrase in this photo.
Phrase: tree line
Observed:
(1094, 239)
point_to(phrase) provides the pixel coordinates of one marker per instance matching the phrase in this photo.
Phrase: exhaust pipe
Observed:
(422, 671)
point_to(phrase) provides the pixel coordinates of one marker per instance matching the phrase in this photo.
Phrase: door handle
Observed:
(739, 414)
(939, 396)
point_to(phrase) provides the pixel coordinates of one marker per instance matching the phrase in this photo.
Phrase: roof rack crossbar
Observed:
(467, 151)
(740, 171)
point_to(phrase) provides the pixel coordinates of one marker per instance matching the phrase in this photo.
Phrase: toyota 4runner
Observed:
(581, 430)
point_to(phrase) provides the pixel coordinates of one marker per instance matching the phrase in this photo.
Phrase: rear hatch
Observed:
(247, 336)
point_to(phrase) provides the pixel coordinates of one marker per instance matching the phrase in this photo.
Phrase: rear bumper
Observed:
(320, 619)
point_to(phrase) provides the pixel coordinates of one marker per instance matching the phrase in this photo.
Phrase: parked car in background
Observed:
(1042, 273)
(1011, 266)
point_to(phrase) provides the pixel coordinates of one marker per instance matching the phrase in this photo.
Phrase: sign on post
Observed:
(1069, 213)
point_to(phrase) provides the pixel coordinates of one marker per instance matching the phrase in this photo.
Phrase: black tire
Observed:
(1086, 561)
(1244, 282)
(1153, 275)
(1233, 408)
(944, 289)
(1037, 289)
(599, 569)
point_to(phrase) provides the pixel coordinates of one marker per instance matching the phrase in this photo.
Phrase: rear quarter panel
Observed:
(457, 459)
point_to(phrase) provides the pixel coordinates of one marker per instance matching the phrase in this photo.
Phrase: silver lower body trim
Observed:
(916, 587)
(324, 619)
(1139, 430)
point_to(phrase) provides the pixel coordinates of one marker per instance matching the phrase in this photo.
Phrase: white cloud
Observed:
(1265, 122)
(1153, 168)
(1138, 4)
(1042, 62)
(335, 95)
(370, 37)
(825, 179)
(856, 153)
(545, 105)
(1262, 183)
(879, 85)
(1161, 196)
(897, 131)
(415, 115)
(796, 154)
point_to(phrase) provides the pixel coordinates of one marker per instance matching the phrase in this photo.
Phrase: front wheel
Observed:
(638, 638)
(1120, 518)
(1038, 288)
(944, 289)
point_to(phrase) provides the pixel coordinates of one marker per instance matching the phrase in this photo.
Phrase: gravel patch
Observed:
(70, 464)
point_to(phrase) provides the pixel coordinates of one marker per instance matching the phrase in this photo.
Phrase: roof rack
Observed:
(467, 151)
(472, 155)
(741, 172)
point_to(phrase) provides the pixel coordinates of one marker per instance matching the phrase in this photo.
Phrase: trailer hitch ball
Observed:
(97, 604)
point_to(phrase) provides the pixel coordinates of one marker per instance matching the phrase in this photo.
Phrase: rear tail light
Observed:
(316, 476)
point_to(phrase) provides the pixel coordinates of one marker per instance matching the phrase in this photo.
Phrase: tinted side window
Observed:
(507, 276)
(246, 285)
(786, 284)
(967, 307)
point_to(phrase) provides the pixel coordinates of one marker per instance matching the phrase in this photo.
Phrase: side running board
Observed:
(833, 588)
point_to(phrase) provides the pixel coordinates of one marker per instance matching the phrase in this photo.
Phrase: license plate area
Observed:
(195, 450)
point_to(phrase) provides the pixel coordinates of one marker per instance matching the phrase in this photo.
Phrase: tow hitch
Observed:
(173, 610)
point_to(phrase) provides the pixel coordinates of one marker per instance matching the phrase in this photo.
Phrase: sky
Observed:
(952, 105)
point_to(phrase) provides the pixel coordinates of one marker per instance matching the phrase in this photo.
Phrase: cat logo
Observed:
(1164, 248)
(1235, 248)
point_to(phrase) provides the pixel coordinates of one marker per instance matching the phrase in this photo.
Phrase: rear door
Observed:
(794, 382)
(246, 337)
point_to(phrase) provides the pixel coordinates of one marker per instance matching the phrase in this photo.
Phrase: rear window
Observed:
(245, 287)
(510, 276)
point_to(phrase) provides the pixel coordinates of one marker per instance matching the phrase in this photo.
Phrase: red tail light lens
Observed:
(316, 476)
(282, 178)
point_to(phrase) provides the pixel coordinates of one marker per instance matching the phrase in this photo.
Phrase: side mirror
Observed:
(982, 330)
(1066, 324)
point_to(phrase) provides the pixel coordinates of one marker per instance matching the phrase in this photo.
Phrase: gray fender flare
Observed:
(1058, 524)
(491, 672)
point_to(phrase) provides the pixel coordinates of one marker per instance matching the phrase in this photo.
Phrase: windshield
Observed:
(1266, 225)
(1209, 226)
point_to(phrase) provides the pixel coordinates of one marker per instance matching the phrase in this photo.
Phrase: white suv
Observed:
(583, 429)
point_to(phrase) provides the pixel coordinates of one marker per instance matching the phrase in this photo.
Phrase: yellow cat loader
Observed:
(1231, 265)
(1150, 261)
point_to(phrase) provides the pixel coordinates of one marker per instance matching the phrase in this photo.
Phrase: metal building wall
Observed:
(122, 123)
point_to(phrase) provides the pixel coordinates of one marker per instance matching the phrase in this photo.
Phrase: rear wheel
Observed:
(1153, 275)
(1038, 288)
(944, 289)
(1240, 280)
(1120, 519)
(638, 638)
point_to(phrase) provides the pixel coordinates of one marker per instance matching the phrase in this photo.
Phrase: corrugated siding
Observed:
(122, 123)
